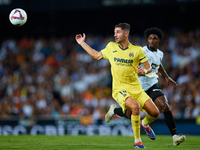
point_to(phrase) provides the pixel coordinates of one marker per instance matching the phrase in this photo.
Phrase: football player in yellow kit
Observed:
(125, 58)
(150, 86)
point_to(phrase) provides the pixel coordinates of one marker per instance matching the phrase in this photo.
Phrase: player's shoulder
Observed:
(160, 52)
(145, 48)
(111, 43)
(136, 47)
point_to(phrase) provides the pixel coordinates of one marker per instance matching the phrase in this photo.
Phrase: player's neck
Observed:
(124, 44)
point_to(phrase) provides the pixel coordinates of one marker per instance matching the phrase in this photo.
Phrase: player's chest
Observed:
(125, 54)
(154, 58)
(123, 57)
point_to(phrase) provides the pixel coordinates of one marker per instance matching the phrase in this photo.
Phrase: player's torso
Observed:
(123, 66)
(123, 61)
(155, 59)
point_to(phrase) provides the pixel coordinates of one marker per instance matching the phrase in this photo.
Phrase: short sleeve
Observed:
(105, 52)
(142, 56)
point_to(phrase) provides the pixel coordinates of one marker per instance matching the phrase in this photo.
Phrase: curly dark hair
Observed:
(154, 30)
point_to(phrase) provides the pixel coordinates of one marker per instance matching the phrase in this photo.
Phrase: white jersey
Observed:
(155, 58)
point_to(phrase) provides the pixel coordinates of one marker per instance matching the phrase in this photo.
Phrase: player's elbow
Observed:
(97, 59)
(98, 56)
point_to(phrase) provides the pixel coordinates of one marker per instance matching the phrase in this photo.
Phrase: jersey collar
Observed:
(124, 48)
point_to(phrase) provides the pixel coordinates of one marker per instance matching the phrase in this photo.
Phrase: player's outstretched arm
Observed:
(167, 78)
(146, 70)
(81, 41)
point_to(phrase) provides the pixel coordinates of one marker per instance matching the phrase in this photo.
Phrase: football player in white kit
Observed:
(150, 86)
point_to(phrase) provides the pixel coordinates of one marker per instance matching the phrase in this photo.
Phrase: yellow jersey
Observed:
(124, 65)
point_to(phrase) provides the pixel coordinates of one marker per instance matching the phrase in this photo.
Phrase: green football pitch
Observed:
(82, 142)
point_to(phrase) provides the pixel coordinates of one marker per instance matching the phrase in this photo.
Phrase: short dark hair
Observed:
(154, 30)
(124, 26)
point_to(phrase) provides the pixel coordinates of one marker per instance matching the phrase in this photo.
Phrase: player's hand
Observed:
(159, 74)
(170, 80)
(140, 71)
(80, 39)
(140, 74)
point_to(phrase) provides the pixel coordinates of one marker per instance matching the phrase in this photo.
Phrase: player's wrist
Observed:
(147, 71)
(82, 43)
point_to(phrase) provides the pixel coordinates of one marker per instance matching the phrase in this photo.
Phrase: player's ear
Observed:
(126, 33)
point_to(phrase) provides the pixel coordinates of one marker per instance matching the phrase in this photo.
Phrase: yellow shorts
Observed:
(120, 96)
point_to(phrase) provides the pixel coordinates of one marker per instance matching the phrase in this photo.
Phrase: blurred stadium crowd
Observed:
(54, 77)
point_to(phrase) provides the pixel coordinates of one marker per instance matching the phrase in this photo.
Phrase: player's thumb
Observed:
(84, 35)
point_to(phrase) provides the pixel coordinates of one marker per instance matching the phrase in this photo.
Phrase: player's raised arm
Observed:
(81, 41)
(146, 70)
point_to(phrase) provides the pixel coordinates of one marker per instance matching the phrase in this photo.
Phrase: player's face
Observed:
(119, 35)
(153, 41)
